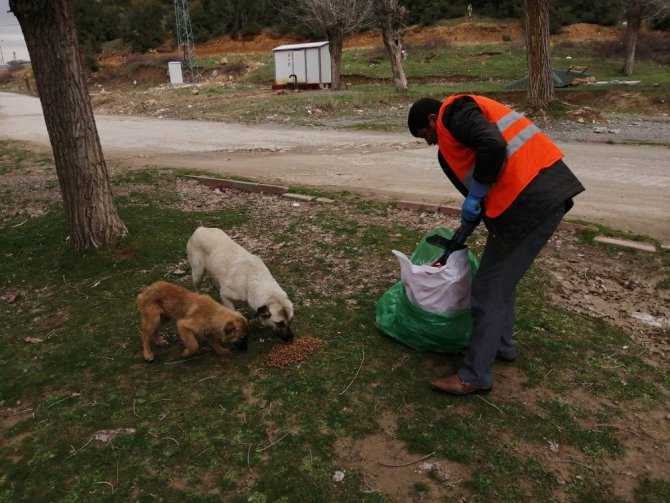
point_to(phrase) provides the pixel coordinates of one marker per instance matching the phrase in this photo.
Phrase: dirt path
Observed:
(628, 187)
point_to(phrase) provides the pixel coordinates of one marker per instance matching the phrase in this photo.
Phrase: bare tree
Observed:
(538, 53)
(335, 19)
(391, 18)
(50, 36)
(636, 12)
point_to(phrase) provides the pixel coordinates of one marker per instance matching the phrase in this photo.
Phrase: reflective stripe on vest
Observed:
(528, 151)
(520, 139)
(513, 145)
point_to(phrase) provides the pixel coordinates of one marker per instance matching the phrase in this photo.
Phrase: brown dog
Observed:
(194, 314)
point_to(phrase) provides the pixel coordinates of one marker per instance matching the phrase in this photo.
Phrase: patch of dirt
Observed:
(388, 468)
(630, 99)
(30, 203)
(617, 286)
(10, 416)
(465, 33)
(644, 437)
(643, 434)
(263, 42)
(584, 32)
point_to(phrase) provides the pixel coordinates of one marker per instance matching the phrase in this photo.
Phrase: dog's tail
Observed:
(195, 258)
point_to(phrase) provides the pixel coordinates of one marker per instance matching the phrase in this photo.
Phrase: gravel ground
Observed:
(612, 128)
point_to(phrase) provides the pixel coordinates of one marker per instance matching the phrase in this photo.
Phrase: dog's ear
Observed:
(288, 309)
(263, 312)
(239, 325)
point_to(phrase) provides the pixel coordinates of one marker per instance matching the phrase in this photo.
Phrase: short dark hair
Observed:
(419, 112)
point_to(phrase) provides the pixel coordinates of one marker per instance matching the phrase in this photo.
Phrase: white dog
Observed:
(240, 276)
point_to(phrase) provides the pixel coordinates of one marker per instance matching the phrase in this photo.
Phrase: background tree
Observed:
(143, 28)
(538, 53)
(100, 21)
(335, 19)
(50, 36)
(391, 18)
(636, 12)
(201, 22)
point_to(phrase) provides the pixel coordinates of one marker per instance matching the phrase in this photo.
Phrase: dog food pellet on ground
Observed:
(286, 354)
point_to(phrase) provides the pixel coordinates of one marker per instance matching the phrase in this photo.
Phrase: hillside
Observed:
(465, 32)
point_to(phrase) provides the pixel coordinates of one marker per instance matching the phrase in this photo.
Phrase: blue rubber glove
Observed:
(472, 206)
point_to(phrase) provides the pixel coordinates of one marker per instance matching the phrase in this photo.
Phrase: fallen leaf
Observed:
(106, 436)
(13, 297)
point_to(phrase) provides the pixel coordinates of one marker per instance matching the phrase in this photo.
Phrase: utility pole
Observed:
(185, 41)
(2, 57)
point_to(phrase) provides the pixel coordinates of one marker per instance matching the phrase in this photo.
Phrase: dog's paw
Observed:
(188, 352)
(223, 352)
(149, 357)
(160, 342)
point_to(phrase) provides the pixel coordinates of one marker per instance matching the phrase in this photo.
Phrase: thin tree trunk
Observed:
(336, 43)
(633, 25)
(82, 173)
(540, 77)
(391, 19)
(394, 48)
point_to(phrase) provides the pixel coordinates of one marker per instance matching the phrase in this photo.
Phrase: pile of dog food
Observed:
(294, 352)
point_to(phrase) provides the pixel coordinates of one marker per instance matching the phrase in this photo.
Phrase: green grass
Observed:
(12, 159)
(235, 430)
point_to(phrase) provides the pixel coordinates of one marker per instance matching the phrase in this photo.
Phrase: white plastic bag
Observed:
(438, 289)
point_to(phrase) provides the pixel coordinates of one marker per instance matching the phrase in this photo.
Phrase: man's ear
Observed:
(432, 120)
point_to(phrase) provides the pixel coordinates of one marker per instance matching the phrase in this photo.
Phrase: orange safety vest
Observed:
(528, 152)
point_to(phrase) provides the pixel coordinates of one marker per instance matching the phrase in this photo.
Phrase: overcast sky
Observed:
(12, 45)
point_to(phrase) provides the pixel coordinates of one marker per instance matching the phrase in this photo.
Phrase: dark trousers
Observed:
(493, 299)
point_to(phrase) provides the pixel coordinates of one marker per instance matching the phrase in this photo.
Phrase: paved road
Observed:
(628, 187)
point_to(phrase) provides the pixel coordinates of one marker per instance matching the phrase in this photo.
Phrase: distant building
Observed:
(302, 65)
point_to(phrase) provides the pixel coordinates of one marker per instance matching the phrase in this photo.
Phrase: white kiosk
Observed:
(302, 65)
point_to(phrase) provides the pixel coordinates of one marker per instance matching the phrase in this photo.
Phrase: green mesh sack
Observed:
(423, 330)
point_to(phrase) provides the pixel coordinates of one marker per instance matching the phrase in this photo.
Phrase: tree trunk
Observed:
(540, 77)
(633, 25)
(394, 48)
(336, 43)
(391, 17)
(82, 173)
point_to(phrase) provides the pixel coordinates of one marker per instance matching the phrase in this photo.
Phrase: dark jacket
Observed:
(554, 186)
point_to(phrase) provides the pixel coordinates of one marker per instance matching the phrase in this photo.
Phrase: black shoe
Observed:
(506, 359)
